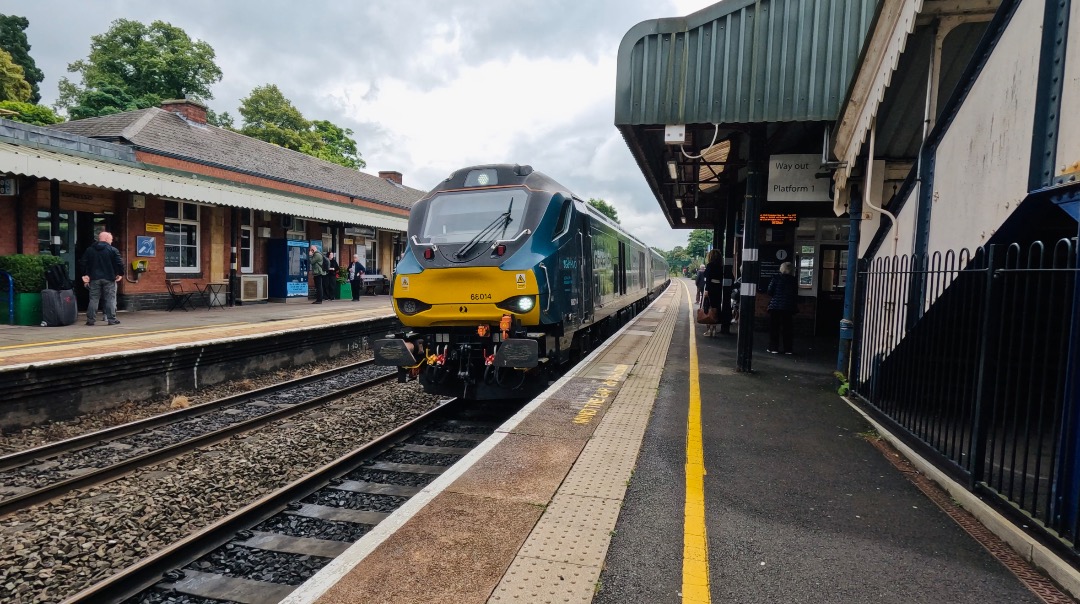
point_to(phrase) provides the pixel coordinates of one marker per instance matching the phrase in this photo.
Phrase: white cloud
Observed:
(428, 86)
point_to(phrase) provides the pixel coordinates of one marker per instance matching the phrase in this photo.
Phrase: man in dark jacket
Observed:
(102, 270)
(318, 273)
(783, 302)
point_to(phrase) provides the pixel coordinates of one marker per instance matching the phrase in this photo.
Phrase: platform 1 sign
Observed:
(794, 178)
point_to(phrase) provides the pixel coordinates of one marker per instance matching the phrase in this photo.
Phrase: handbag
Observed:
(708, 317)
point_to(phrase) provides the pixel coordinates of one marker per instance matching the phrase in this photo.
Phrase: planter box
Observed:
(345, 292)
(27, 309)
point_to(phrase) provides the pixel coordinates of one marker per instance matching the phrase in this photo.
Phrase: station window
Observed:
(297, 229)
(181, 237)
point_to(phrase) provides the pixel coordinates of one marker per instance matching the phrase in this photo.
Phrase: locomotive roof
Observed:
(509, 175)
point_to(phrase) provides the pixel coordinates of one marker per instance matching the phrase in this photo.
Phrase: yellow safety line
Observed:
(119, 335)
(695, 581)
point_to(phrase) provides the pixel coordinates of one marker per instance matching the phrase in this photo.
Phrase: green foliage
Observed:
(28, 113)
(677, 258)
(13, 86)
(13, 40)
(107, 101)
(27, 271)
(336, 145)
(844, 387)
(135, 65)
(605, 208)
(221, 120)
(698, 242)
(270, 117)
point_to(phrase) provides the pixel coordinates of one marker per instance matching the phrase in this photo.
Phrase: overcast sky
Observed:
(428, 86)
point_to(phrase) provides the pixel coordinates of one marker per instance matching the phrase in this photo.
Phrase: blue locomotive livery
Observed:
(508, 277)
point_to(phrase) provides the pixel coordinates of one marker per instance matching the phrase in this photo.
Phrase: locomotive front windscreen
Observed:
(461, 216)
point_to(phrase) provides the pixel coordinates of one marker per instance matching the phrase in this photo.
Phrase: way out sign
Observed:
(794, 178)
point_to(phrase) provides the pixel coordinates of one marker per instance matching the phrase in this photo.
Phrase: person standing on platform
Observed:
(699, 280)
(102, 270)
(333, 292)
(783, 302)
(356, 277)
(315, 265)
(713, 278)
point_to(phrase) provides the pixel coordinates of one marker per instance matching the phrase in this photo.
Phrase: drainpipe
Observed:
(54, 219)
(847, 324)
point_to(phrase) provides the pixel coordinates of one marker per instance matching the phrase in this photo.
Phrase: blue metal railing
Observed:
(10, 296)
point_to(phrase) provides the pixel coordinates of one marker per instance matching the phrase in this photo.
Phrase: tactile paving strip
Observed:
(576, 531)
(535, 581)
(602, 469)
(562, 558)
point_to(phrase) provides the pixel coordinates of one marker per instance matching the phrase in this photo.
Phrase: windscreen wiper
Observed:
(487, 231)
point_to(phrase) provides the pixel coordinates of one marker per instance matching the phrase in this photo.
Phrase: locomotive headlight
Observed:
(518, 304)
(409, 306)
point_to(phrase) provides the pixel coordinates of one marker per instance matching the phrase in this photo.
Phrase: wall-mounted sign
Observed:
(361, 231)
(145, 245)
(779, 219)
(794, 178)
(155, 228)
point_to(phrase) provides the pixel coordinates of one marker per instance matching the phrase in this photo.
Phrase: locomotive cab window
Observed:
(563, 225)
(459, 217)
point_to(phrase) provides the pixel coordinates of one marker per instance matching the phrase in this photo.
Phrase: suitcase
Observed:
(58, 307)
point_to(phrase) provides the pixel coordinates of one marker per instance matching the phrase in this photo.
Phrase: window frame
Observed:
(180, 220)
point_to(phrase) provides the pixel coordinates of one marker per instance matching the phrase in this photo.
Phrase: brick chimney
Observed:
(390, 175)
(189, 109)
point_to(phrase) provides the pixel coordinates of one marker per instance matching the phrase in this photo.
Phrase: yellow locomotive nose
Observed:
(466, 296)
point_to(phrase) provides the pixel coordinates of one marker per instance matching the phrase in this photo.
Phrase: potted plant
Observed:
(28, 273)
(344, 289)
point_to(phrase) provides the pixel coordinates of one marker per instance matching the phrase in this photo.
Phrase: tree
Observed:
(677, 258)
(337, 146)
(605, 208)
(29, 113)
(106, 100)
(147, 64)
(221, 120)
(13, 86)
(699, 242)
(271, 117)
(13, 40)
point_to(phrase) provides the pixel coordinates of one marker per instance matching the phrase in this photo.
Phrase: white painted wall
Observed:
(1068, 151)
(984, 159)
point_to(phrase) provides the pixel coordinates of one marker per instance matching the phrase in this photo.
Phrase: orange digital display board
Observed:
(778, 219)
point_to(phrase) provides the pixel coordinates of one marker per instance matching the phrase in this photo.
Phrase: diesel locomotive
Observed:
(507, 276)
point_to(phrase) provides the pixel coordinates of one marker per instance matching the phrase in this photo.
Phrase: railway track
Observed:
(43, 473)
(264, 551)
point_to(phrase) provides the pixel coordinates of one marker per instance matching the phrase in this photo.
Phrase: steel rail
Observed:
(19, 502)
(24, 457)
(143, 575)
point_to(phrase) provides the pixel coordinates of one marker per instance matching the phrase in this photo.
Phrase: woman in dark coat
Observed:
(783, 302)
(714, 287)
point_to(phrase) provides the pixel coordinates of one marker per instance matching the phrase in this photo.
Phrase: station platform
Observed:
(652, 472)
(148, 329)
(655, 473)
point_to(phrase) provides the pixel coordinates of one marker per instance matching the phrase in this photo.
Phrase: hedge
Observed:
(28, 271)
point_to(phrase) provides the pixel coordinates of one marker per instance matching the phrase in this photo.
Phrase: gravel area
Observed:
(52, 551)
(129, 411)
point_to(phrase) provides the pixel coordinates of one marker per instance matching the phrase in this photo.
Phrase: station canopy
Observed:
(783, 64)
